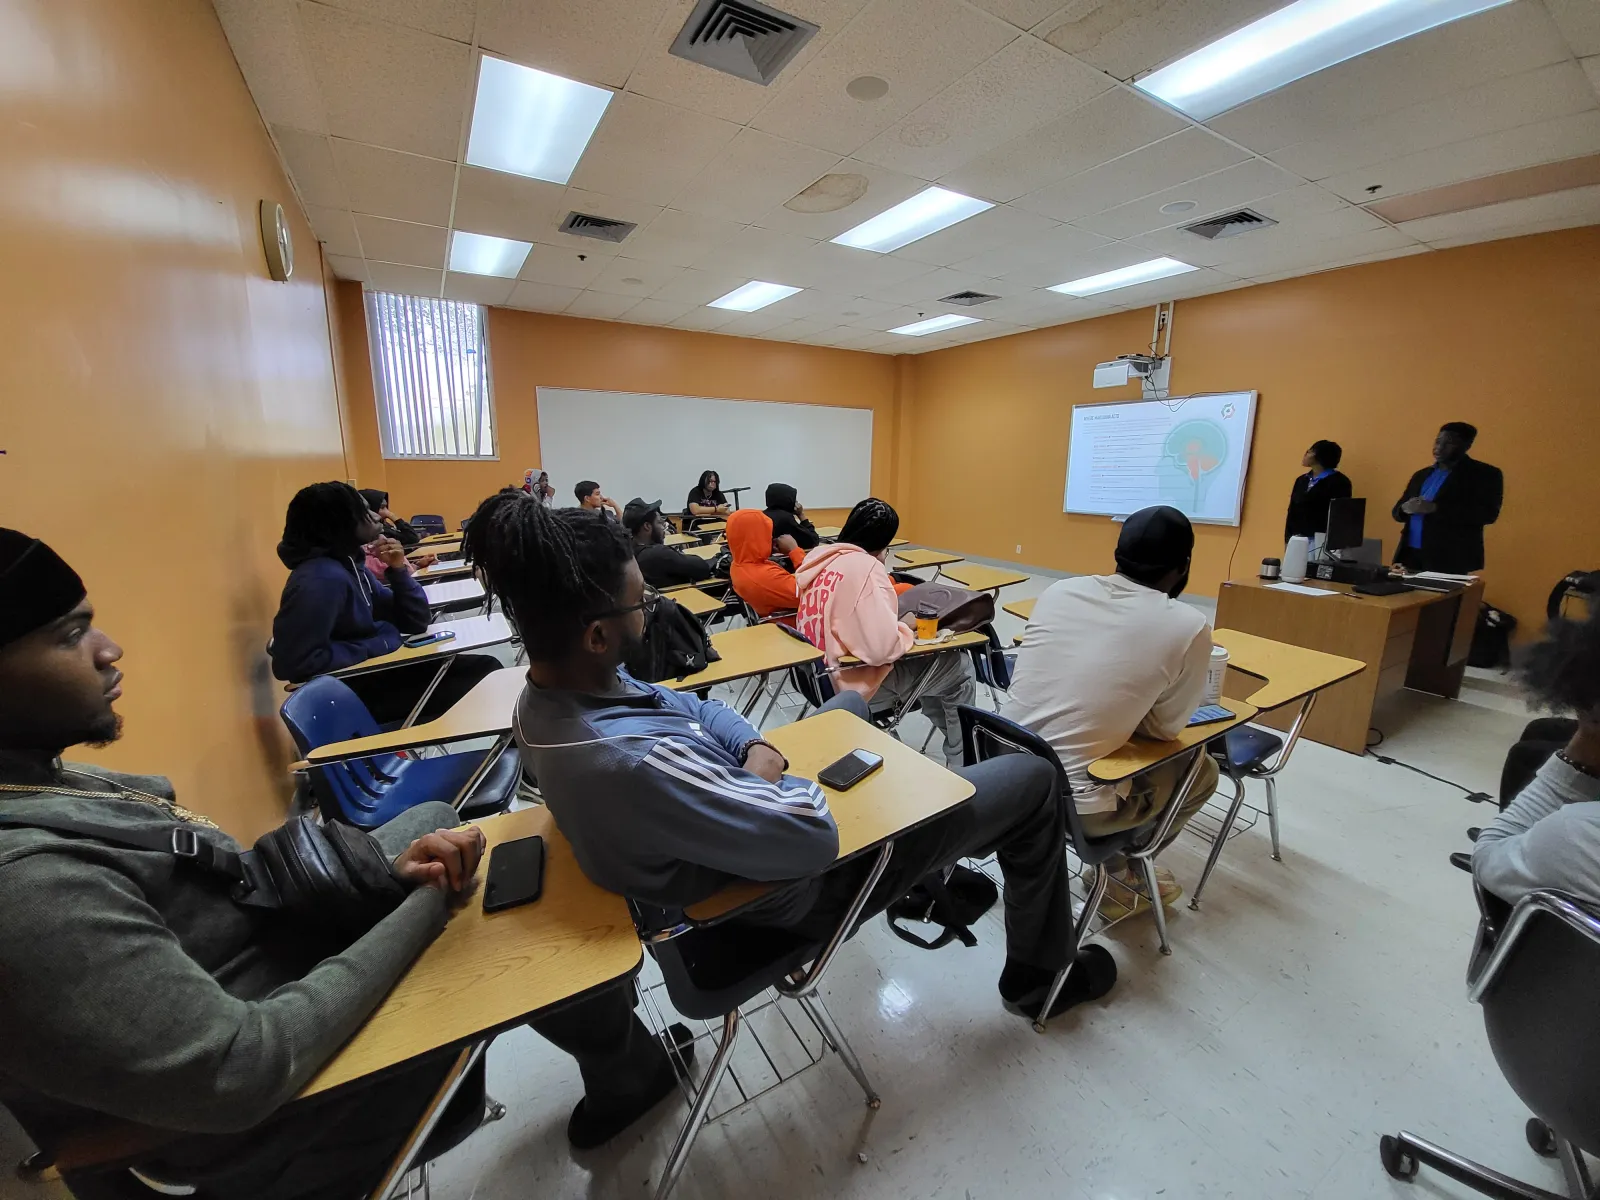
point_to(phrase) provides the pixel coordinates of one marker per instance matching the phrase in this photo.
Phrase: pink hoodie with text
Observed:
(848, 607)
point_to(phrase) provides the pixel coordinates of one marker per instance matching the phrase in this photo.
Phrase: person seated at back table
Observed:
(789, 516)
(848, 606)
(336, 613)
(757, 578)
(394, 527)
(706, 499)
(1549, 836)
(589, 496)
(662, 566)
(1108, 656)
(134, 986)
(667, 798)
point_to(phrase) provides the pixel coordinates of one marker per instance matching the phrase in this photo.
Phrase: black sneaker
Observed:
(1473, 831)
(587, 1129)
(1094, 974)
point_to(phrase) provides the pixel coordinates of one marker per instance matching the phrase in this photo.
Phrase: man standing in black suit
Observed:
(1446, 506)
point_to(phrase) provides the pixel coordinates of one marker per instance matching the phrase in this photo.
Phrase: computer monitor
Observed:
(1346, 522)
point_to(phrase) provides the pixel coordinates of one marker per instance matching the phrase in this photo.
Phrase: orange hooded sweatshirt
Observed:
(757, 580)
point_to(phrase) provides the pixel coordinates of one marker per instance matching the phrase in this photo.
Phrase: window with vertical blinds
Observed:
(430, 367)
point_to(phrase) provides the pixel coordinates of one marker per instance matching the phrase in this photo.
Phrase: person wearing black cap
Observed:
(135, 988)
(663, 567)
(1106, 656)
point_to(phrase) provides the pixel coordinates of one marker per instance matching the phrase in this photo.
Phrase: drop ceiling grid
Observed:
(1017, 101)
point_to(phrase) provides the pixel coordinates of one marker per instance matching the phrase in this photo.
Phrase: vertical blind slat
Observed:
(430, 368)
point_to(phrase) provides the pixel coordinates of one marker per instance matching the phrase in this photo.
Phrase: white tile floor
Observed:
(1310, 1006)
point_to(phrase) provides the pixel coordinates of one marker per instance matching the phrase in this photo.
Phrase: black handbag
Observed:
(333, 877)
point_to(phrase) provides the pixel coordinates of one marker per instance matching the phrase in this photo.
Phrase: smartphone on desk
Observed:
(849, 770)
(516, 874)
(427, 638)
(1210, 714)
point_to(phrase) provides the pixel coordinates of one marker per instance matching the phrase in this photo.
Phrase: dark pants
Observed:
(1015, 813)
(390, 695)
(337, 1147)
(1542, 738)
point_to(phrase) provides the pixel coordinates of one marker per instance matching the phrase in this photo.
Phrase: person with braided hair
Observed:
(667, 798)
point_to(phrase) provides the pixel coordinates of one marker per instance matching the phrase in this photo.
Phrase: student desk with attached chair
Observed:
(979, 578)
(915, 560)
(471, 633)
(454, 569)
(453, 591)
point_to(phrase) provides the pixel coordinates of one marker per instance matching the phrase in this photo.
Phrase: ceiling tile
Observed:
(1178, 287)
(1591, 68)
(544, 297)
(1547, 141)
(386, 183)
(1058, 245)
(753, 173)
(1026, 84)
(1109, 125)
(1499, 104)
(1299, 222)
(700, 287)
(447, 18)
(477, 289)
(919, 46)
(703, 318)
(848, 269)
(604, 305)
(1238, 185)
(386, 85)
(309, 161)
(680, 238)
(765, 254)
(265, 38)
(753, 324)
(1579, 22)
(335, 229)
(405, 242)
(410, 281)
(1024, 14)
(994, 228)
(347, 268)
(597, 41)
(1579, 206)
(831, 337)
(655, 312)
(1129, 37)
(1047, 270)
(828, 306)
(1315, 268)
(512, 206)
(1273, 257)
(885, 189)
(1503, 41)
(1174, 160)
(646, 276)
(925, 289)
(646, 150)
(561, 265)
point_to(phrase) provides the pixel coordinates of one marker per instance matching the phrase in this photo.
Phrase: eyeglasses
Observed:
(647, 606)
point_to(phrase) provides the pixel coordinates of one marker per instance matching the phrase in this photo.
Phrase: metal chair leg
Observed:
(771, 704)
(933, 729)
(1220, 840)
(1272, 816)
(702, 1105)
(830, 1029)
(1157, 909)
(1091, 908)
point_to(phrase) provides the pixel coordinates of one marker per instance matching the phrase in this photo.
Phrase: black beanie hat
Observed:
(36, 586)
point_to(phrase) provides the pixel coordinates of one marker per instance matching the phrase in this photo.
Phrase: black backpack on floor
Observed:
(955, 903)
(675, 645)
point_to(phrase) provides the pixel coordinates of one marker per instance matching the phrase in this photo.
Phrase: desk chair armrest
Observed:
(1289, 739)
(1170, 814)
(1564, 908)
(806, 984)
(406, 1159)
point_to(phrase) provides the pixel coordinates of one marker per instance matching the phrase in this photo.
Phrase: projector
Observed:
(1126, 367)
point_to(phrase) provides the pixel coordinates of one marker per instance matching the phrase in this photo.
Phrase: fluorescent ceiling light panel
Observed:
(480, 254)
(753, 295)
(1292, 43)
(1110, 281)
(929, 211)
(935, 325)
(529, 122)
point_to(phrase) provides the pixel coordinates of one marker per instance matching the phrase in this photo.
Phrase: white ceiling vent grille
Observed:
(743, 38)
(967, 298)
(1228, 225)
(602, 229)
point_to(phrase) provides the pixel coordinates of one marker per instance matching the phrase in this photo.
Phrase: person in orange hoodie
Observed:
(757, 580)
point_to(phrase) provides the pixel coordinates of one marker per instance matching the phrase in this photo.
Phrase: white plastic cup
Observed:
(1216, 672)
(1295, 555)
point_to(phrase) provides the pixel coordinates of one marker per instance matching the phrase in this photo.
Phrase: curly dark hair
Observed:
(1563, 668)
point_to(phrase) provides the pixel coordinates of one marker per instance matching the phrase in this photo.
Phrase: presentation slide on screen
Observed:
(1188, 451)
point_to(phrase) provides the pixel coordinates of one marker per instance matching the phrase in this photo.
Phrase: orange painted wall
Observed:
(163, 397)
(529, 350)
(1375, 357)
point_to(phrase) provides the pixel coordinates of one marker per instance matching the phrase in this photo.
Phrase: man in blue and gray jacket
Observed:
(667, 798)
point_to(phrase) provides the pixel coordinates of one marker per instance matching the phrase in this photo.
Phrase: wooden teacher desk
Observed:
(1416, 639)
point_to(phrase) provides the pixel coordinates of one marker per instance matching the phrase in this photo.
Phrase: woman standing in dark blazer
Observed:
(1315, 490)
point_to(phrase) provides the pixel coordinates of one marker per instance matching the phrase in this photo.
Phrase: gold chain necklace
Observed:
(122, 790)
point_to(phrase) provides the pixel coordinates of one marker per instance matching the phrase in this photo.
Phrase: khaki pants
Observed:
(1148, 798)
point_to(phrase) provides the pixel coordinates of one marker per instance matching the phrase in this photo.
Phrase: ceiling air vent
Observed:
(602, 229)
(967, 298)
(1230, 224)
(742, 38)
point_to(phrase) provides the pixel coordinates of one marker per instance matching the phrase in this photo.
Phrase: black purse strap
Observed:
(181, 841)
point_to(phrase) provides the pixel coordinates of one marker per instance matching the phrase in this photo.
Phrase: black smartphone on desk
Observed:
(1210, 714)
(850, 770)
(428, 638)
(516, 874)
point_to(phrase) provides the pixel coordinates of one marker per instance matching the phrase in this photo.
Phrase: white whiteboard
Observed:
(1192, 452)
(655, 447)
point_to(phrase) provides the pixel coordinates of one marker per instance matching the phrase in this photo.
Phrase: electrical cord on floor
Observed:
(1389, 761)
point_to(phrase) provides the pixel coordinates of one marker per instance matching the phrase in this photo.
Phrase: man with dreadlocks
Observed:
(667, 798)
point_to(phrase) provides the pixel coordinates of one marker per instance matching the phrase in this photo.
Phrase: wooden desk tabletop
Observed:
(454, 569)
(697, 602)
(473, 633)
(752, 650)
(705, 552)
(485, 711)
(706, 527)
(440, 539)
(453, 591)
(983, 579)
(914, 559)
(827, 532)
(714, 584)
(681, 539)
(1140, 754)
(489, 971)
(906, 791)
(961, 641)
(1291, 672)
(1344, 593)
(1021, 608)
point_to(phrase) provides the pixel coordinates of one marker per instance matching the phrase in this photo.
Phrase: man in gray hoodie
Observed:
(132, 986)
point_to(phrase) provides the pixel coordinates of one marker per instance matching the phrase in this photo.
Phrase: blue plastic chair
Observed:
(367, 792)
(428, 522)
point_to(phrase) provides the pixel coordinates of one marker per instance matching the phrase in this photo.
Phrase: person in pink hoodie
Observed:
(848, 607)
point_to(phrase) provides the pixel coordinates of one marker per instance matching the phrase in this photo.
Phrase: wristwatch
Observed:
(745, 756)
